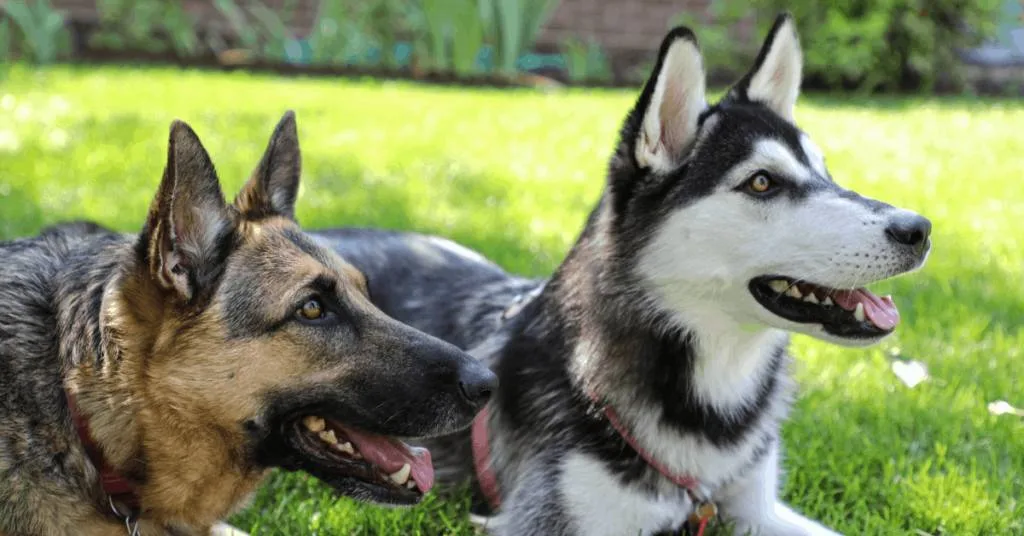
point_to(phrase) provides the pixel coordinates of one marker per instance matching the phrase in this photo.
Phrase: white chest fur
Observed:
(600, 505)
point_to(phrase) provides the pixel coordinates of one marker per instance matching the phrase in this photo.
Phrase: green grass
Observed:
(513, 174)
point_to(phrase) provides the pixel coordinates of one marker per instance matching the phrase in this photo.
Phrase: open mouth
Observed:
(382, 468)
(850, 313)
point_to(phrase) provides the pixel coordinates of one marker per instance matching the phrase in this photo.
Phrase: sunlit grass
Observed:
(514, 173)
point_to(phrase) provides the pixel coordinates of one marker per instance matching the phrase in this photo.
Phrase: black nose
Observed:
(477, 384)
(910, 230)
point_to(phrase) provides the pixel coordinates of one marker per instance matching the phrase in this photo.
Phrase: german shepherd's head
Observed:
(251, 346)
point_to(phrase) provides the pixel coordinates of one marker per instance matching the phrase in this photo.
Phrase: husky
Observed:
(151, 381)
(646, 380)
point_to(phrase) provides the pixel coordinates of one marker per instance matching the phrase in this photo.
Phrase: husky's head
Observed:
(728, 209)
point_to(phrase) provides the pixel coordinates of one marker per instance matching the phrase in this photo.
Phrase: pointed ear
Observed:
(671, 103)
(274, 186)
(189, 223)
(775, 78)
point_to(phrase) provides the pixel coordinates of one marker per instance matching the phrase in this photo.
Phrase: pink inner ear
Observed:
(778, 75)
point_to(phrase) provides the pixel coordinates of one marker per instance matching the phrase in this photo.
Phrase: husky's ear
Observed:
(671, 103)
(274, 186)
(775, 78)
(189, 223)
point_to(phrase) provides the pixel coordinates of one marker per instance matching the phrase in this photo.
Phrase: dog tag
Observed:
(700, 517)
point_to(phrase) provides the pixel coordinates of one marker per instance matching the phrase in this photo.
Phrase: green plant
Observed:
(437, 20)
(385, 21)
(5, 41)
(468, 25)
(585, 61)
(340, 35)
(149, 25)
(724, 53)
(259, 29)
(247, 34)
(5, 47)
(455, 33)
(869, 45)
(513, 28)
(366, 32)
(41, 28)
(180, 29)
(276, 34)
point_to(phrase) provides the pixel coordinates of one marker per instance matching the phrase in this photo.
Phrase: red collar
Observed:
(686, 482)
(122, 492)
(488, 481)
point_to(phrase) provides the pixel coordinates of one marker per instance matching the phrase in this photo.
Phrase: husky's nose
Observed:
(477, 384)
(910, 229)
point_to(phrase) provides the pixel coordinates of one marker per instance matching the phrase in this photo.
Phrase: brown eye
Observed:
(311, 310)
(760, 183)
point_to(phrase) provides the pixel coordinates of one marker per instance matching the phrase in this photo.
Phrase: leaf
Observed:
(911, 373)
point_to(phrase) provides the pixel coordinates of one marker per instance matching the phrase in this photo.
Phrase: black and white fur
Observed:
(652, 310)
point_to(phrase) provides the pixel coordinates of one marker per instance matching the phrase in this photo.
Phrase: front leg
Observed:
(751, 504)
(533, 506)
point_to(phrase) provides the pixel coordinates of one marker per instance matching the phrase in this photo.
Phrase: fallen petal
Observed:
(1002, 407)
(911, 373)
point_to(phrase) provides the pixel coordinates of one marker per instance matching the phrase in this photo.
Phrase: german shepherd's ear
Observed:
(775, 78)
(189, 222)
(274, 186)
(666, 115)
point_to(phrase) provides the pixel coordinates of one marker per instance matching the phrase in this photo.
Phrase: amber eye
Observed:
(311, 310)
(760, 183)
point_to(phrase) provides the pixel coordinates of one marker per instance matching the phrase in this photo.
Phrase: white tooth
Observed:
(778, 286)
(345, 447)
(858, 313)
(329, 437)
(793, 292)
(410, 484)
(313, 423)
(811, 298)
(402, 475)
(357, 456)
(828, 301)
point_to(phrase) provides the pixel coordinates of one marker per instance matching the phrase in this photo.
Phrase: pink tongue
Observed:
(390, 455)
(881, 312)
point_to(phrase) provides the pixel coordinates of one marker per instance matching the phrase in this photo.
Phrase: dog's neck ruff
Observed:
(122, 494)
(488, 481)
(687, 482)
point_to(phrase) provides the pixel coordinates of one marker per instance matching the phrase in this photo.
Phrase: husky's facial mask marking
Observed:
(747, 215)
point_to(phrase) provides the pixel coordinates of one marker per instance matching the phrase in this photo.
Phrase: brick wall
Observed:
(629, 31)
(620, 25)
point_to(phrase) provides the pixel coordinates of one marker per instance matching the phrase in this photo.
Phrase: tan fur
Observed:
(172, 393)
(195, 390)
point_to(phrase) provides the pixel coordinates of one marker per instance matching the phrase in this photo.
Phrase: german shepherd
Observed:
(644, 384)
(150, 381)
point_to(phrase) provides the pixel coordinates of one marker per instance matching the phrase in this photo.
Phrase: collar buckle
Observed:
(130, 517)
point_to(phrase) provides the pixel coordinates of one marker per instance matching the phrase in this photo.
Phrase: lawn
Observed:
(514, 173)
